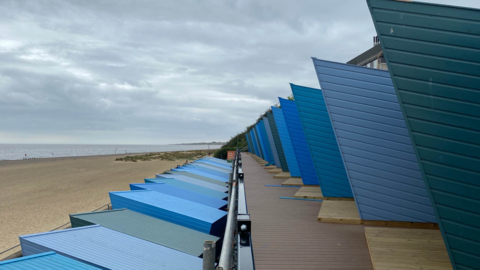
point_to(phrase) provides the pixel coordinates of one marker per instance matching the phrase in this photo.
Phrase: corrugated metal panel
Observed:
(270, 141)
(108, 249)
(193, 181)
(257, 140)
(373, 138)
(219, 179)
(172, 209)
(182, 194)
(48, 261)
(433, 54)
(260, 140)
(147, 228)
(286, 142)
(321, 142)
(215, 164)
(266, 144)
(299, 142)
(197, 176)
(278, 143)
(189, 186)
(217, 161)
(249, 142)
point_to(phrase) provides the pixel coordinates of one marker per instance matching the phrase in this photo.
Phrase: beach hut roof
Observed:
(45, 261)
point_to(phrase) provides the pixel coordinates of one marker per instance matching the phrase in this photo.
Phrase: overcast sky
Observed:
(160, 72)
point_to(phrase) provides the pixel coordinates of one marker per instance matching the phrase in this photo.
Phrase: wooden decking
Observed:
(282, 175)
(406, 249)
(294, 181)
(345, 212)
(278, 170)
(287, 235)
(314, 192)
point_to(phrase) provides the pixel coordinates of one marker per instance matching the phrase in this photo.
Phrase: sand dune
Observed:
(38, 195)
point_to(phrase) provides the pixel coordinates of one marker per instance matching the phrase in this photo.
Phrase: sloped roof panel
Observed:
(220, 179)
(266, 144)
(203, 177)
(207, 170)
(48, 261)
(249, 142)
(189, 186)
(299, 142)
(182, 194)
(261, 143)
(322, 142)
(386, 180)
(172, 209)
(257, 141)
(433, 55)
(286, 142)
(193, 181)
(278, 143)
(108, 249)
(147, 228)
(254, 142)
(271, 142)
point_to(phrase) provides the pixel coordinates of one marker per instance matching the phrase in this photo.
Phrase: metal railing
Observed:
(237, 250)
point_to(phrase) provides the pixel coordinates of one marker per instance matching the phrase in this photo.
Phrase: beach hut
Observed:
(286, 142)
(214, 166)
(147, 228)
(432, 52)
(220, 180)
(373, 138)
(47, 261)
(196, 176)
(205, 169)
(108, 249)
(182, 194)
(299, 142)
(271, 142)
(172, 209)
(278, 143)
(322, 142)
(261, 142)
(263, 132)
(257, 140)
(254, 141)
(189, 186)
(249, 142)
(214, 163)
(193, 181)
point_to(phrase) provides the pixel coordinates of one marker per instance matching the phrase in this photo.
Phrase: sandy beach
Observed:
(37, 195)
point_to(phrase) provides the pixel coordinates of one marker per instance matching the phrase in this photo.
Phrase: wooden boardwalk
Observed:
(287, 235)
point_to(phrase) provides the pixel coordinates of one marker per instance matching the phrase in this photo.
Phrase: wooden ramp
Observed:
(282, 175)
(314, 192)
(271, 167)
(294, 181)
(278, 170)
(406, 249)
(345, 212)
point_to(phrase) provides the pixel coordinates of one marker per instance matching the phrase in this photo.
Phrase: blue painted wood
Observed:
(189, 186)
(172, 209)
(286, 143)
(299, 142)
(182, 194)
(271, 142)
(45, 261)
(254, 142)
(322, 142)
(206, 170)
(220, 179)
(385, 175)
(266, 143)
(278, 143)
(108, 249)
(249, 142)
(193, 180)
(260, 141)
(259, 148)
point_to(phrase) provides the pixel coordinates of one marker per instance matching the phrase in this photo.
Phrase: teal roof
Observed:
(147, 228)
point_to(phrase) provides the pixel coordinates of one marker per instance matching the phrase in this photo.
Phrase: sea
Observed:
(30, 151)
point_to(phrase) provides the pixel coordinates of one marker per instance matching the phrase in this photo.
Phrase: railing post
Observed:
(230, 182)
(209, 255)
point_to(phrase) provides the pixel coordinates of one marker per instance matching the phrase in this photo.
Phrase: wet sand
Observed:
(37, 195)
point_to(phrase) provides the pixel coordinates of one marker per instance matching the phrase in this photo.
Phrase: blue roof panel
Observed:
(286, 142)
(299, 142)
(322, 142)
(384, 172)
(182, 194)
(47, 261)
(266, 143)
(219, 179)
(271, 142)
(189, 186)
(193, 181)
(108, 249)
(172, 209)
